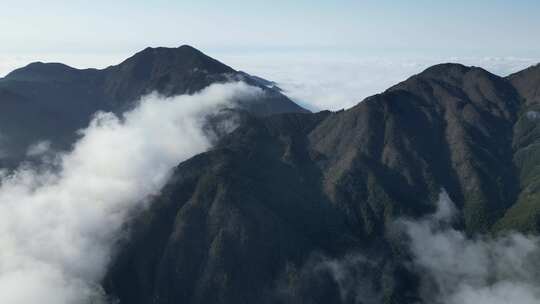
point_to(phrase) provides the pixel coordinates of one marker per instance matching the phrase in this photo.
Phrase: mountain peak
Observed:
(446, 68)
(452, 74)
(527, 83)
(455, 71)
(164, 51)
(169, 71)
(40, 71)
(182, 58)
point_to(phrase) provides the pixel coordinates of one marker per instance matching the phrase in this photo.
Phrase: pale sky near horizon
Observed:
(390, 39)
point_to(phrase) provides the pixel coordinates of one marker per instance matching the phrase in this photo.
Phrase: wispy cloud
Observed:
(451, 267)
(457, 269)
(39, 149)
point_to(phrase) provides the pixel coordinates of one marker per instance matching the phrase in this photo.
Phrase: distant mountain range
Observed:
(239, 223)
(52, 100)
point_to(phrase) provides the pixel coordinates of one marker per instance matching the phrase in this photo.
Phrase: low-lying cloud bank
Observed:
(455, 269)
(451, 268)
(337, 80)
(58, 226)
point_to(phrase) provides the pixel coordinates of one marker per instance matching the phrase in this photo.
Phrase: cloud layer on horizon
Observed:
(320, 81)
(315, 80)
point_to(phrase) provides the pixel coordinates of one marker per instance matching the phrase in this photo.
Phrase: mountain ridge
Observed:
(45, 67)
(254, 210)
(61, 100)
(255, 218)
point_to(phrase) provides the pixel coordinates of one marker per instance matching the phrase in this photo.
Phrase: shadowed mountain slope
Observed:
(525, 212)
(245, 222)
(527, 83)
(50, 101)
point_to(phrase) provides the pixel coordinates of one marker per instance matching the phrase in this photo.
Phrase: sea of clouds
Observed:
(335, 81)
(315, 80)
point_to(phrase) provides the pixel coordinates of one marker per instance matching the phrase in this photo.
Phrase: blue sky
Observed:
(327, 54)
(478, 27)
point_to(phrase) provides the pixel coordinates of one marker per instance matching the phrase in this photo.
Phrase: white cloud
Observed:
(354, 277)
(456, 269)
(453, 268)
(315, 80)
(335, 81)
(57, 228)
(39, 149)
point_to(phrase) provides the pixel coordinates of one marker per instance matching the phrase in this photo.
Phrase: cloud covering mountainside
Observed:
(217, 188)
(459, 269)
(59, 223)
